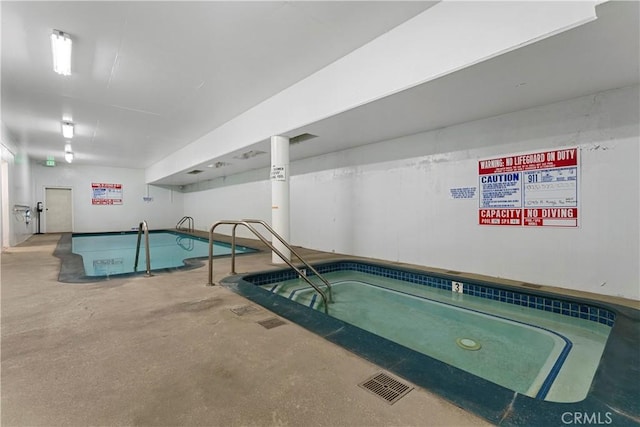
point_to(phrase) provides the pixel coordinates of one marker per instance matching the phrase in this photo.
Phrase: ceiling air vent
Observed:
(301, 138)
(249, 154)
(194, 172)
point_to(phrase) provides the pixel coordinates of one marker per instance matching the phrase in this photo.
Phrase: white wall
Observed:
(390, 200)
(17, 182)
(245, 200)
(163, 212)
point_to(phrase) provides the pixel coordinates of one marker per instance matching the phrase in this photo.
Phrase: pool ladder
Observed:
(189, 246)
(247, 223)
(143, 228)
(188, 220)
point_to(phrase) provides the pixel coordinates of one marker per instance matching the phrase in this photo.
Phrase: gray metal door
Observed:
(57, 204)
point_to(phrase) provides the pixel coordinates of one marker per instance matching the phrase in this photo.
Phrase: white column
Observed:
(280, 194)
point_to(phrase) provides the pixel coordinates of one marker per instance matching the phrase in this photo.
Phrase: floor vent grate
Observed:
(389, 389)
(244, 309)
(271, 323)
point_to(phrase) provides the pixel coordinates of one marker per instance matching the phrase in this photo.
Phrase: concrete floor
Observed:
(168, 350)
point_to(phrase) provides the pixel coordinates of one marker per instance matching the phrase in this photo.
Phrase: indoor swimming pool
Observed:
(464, 339)
(109, 254)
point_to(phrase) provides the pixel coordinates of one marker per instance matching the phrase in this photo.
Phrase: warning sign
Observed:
(501, 216)
(533, 189)
(106, 194)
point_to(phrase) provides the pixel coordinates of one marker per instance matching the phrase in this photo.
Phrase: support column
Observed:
(280, 194)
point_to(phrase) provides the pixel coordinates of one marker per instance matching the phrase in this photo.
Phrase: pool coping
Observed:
(614, 395)
(72, 268)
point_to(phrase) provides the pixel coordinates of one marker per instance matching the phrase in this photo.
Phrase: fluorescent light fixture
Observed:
(68, 154)
(61, 48)
(67, 129)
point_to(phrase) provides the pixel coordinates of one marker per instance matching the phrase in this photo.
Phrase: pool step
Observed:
(295, 290)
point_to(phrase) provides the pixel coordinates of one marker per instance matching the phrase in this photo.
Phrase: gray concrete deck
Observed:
(168, 350)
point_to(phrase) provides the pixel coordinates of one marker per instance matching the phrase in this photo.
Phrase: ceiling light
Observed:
(68, 154)
(61, 48)
(67, 129)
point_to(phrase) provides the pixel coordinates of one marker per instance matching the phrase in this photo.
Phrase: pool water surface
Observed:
(536, 353)
(115, 253)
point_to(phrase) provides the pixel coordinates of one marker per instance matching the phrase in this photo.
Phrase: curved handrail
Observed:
(143, 228)
(188, 220)
(277, 236)
(235, 223)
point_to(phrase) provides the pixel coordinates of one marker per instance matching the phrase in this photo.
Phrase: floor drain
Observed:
(382, 385)
(271, 323)
(468, 344)
(244, 309)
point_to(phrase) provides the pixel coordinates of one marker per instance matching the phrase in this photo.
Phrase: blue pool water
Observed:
(513, 354)
(551, 352)
(112, 254)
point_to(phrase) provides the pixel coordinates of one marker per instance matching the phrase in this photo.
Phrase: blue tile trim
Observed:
(478, 289)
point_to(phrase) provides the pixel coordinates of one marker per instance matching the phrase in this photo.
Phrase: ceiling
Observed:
(600, 55)
(150, 77)
(136, 99)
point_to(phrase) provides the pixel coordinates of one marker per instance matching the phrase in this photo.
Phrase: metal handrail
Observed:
(143, 228)
(190, 243)
(247, 224)
(189, 221)
(277, 236)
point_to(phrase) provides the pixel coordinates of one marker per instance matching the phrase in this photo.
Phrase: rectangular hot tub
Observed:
(535, 348)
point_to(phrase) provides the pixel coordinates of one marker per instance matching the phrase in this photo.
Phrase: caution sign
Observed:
(532, 189)
(106, 194)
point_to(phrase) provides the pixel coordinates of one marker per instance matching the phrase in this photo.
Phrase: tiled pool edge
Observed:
(531, 299)
(615, 393)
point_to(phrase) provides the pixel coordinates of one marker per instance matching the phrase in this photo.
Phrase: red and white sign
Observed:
(106, 194)
(532, 189)
(501, 216)
(525, 162)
